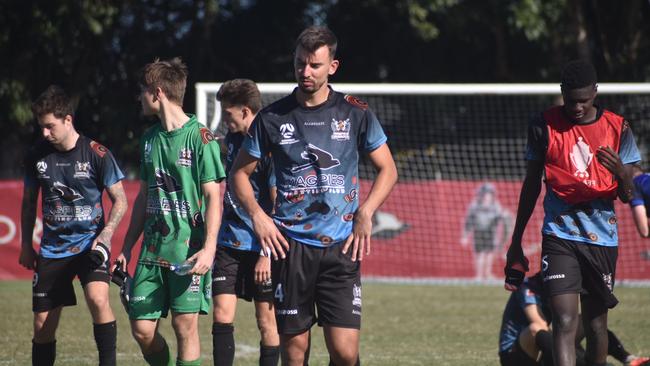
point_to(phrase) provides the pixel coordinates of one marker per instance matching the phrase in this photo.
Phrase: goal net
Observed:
(459, 150)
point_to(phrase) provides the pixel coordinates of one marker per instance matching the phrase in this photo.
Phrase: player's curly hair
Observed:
(168, 75)
(315, 37)
(53, 100)
(240, 92)
(578, 74)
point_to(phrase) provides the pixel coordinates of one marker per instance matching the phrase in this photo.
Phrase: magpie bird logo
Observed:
(64, 192)
(166, 182)
(317, 158)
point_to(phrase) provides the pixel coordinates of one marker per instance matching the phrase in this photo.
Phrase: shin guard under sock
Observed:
(105, 337)
(43, 354)
(269, 355)
(223, 344)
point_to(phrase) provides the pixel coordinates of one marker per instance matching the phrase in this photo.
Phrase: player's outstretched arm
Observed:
(386, 178)
(264, 227)
(120, 205)
(205, 256)
(530, 190)
(27, 257)
(135, 226)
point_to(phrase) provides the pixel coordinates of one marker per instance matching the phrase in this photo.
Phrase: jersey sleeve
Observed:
(526, 296)
(210, 166)
(537, 139)
(372, 134)
(628, 151)
(110, 171)
(641, 187)
(256, 142)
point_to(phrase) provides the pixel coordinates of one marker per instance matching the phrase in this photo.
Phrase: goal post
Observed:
(455, 145)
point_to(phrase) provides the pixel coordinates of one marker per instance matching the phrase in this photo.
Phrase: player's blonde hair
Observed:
(168, 75)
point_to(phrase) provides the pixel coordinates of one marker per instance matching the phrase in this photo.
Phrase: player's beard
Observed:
(311, 87)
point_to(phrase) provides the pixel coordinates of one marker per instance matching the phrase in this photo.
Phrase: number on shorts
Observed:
(279, 294)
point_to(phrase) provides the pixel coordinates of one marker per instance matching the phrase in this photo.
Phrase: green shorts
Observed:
(155, 290)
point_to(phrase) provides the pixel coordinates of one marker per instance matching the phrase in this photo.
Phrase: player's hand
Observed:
(360, 237)
(516, 267)
(27, 257)
(204, 259)
(270, 237)
(122, 259)
(610, 160)
(263, 270)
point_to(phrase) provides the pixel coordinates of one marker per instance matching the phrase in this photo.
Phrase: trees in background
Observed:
(94, 48)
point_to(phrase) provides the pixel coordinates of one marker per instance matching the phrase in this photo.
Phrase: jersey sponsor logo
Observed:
(184, 157)
(158, 205)
(581, 157)
(287, 130)
(82, 169)
(314, 124)
(356, 102)
(340, 129)
(166, 182)
(206, 135)
(61, 191)
(313, 183)
(318, 158)
(100, 149)
(62, 213)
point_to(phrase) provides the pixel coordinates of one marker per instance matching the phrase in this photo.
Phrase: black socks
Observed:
(105, 337)
(223, 344)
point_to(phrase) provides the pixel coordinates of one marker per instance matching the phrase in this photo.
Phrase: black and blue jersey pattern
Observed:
(315, 154)
(236, 226)
(71, 185)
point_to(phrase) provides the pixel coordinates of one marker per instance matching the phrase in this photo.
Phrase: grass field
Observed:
(402, 325)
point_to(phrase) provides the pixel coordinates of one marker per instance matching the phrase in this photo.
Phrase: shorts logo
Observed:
(356, 293)
(607, 279)
(195, 284)
(318, 158)
(219, 279)
(340, 129)
(286, 312)
(138, 298)
(82, 170)
(286, 130)
(545, 263)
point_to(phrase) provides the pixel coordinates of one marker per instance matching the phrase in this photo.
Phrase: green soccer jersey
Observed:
(175, 164)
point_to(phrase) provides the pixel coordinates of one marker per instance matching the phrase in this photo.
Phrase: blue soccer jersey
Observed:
(641, 192)
(236, 226)
(514, 319)
(71, 184)
(592, 222)
(315, 154)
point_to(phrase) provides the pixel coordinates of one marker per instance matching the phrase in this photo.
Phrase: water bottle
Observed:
(184, 268)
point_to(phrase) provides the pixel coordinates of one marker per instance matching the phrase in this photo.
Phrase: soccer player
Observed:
(584, 153)
(484, 217)
(641, 200)
(71, 171)
(241, 270)
(525, 337)
(315, 137)
(178, 207)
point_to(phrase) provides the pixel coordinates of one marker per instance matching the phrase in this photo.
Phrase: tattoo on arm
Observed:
(118, 197)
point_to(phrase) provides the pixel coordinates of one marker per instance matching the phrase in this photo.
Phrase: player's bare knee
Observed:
(344, 357)
(565, 322)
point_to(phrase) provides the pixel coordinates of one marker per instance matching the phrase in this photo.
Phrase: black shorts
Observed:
(575, 267)
(52, 285)
(313, 279)
(516, 357)
(234, 273)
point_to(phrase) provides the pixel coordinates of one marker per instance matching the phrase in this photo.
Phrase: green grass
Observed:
(402, 325)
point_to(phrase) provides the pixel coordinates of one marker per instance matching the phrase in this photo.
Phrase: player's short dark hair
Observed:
(53, 100)
(168, 75)
(316, 37)
(578, 74)
(242, 92)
